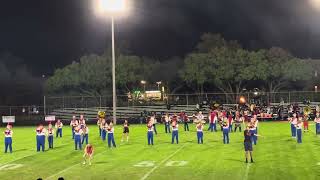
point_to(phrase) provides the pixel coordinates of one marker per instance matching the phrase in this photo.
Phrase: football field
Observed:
(276, 156)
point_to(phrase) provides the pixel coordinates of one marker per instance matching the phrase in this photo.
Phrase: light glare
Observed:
(104, 7)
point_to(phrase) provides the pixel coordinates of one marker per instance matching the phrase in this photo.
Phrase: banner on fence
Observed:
(8, 119)
(50, 118)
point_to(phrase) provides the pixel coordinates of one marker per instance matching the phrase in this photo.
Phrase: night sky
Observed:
(48, 34)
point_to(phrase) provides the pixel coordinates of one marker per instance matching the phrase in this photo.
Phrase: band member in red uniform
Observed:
(181, 116)
(58, 126)
(8, 138)
(230, 121)
(100, 117)
(150, 132)
(125, 131)
(110, 132)
(293, 121)
(238, 121)
(82, 121)
(175, 134)
(212, 120)
(167, 120)
(41, 137)
(85, 135)
(199, 127)
(317, 121)
(306, 123)
(50, 135)
(88, 154)
(103, 130)
(74, 123)
(77, 137)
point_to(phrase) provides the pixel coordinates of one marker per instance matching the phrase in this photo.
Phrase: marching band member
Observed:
(230, 121)
(8, 138)
(200, 116)
(225, 131)
(88, 153)
(103, 129)
(306, 123)
(256, 122)
(212, 119)
(238, 122)
(58, 126)
(299, 130)
(186, 120)
(293, 122)
(98, 124)
(100, 117)
(167, 120)
(41, 137)
(174, 117)
(125, 131)
(253, 130)
(110, 131)
(317, 121)
(154, 121)
(181, 116)
(50, 133)
(77, 137)
(82, 121)
(175, 126)
(85, 134)
(74, 123)
(199, 127)
(150, 132)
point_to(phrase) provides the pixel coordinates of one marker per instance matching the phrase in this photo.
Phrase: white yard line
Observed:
(70, 167)
(163, 161)
(28, 156)
(247, 172)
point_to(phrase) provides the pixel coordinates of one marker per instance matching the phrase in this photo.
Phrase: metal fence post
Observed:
(44, 105)
(187, 98)
(63, 102)
(289, 98)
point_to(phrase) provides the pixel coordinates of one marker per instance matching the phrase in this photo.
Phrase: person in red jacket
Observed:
(88, 154)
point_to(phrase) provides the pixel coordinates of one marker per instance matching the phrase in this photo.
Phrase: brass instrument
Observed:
(307, 110)
(101, 114)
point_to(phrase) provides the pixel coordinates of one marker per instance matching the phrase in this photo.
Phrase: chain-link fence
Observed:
(182, 99)
(51, 103)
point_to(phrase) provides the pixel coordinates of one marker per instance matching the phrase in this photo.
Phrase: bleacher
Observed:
(123, 112)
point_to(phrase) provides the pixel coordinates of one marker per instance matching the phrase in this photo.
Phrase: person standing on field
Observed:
(58, 126)
(50, 134)
(8, 138)
(248, 144)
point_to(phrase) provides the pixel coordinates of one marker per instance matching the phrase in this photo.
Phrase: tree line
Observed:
(215, 65)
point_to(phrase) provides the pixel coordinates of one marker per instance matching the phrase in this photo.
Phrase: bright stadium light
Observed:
(315, 4)
(112, 8)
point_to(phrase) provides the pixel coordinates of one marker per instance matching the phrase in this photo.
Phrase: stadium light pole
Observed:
(113, 8)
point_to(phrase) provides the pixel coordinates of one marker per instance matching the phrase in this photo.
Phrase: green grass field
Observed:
(277, 156)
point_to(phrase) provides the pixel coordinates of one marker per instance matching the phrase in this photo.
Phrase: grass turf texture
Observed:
(277, 156)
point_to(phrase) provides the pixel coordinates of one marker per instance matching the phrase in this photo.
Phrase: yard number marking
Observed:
(176, 163)
(145, 164)
(10, 166)
(168, 164)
